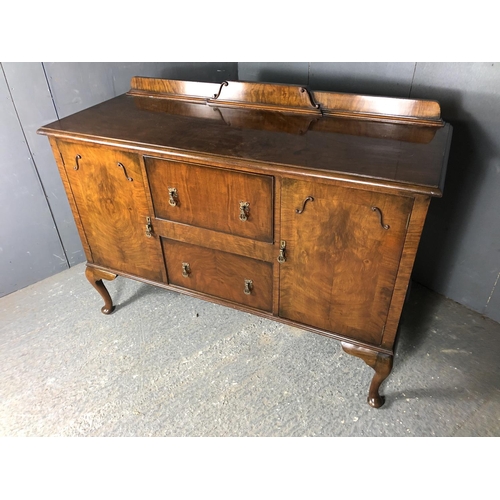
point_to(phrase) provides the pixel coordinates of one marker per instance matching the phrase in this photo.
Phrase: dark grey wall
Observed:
(30, 249)
(459, 255)
(38, 236)
(460, 251)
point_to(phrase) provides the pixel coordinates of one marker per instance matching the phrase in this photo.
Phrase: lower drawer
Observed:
(224, 275)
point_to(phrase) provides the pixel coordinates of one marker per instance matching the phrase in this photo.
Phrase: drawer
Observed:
(222, 200)
(220, 274)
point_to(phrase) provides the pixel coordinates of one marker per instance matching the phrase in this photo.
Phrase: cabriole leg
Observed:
(95, 277)
(380, 362)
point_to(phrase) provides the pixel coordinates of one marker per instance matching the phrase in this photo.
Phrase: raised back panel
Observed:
(380, 108)
(288, 98)
(172, 89)
(292, 99)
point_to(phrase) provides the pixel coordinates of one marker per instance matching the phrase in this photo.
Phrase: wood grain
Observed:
(95, 277)
(294, 98)
(219, 274)
(340, 264)
(285, 98)
(417, 111)
(172, 89)
(386, 159)
(380, 362)
(112, 209)
(414, 232)
(71, 199)
(216, 240)
(210, 198)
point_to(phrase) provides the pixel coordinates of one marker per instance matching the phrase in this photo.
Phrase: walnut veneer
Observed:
(306, 207)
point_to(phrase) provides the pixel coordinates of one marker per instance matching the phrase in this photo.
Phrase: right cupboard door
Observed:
(342, 252)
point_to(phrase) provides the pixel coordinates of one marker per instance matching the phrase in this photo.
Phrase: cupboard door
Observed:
(342, 256)
(108, 189)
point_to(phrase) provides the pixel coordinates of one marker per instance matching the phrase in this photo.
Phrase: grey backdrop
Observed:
(459, 255)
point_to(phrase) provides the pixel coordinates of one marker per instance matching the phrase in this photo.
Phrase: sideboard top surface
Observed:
(408, 154)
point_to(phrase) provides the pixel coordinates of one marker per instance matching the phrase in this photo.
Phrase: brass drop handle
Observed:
(281, 256)
(379, 213)
(125, 172)
(244, 210)
(186, 270)
(248, 287)
(173, 196)
(300, 210)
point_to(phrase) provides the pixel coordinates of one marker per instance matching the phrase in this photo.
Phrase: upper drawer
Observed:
(223, 200)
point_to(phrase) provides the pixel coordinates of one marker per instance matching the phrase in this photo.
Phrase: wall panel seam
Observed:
(50, 90)
(33, 163)
(412, 79)
(491, 294)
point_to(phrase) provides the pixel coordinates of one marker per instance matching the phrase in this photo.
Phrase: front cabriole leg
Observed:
(380, 362)
(95, 277)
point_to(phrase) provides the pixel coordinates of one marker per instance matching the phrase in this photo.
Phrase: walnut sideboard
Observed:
(306, 207)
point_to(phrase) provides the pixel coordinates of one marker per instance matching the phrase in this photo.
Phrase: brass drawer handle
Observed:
(173, 196)
(244, 210)
(248, 287)
(186, 270)
(77, 165)
(125, 172)
(281, 256)
(299, 211)
(379, 212)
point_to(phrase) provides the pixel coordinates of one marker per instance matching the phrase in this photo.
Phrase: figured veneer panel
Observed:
(112, 208)
(210, 198)
(173, 89)
(219, 274)
(341, 263)
(286, 98)
(381, 108)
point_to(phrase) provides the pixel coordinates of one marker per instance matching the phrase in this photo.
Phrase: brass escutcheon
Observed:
(281, 256)
(149, 229)
(244, 209)
(186, 270)
(248, 287)
(172, 196)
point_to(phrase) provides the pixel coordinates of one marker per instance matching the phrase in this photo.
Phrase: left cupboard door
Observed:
(110, 197)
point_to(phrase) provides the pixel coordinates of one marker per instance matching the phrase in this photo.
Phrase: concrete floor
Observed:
(164, 364)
